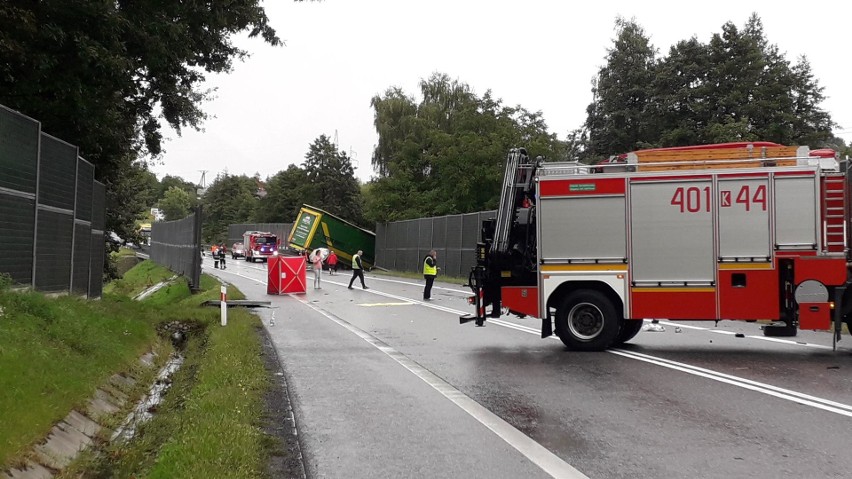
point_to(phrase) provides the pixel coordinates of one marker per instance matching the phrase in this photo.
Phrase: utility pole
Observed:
(202, 186)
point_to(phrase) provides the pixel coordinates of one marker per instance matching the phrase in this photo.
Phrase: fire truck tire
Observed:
(588, 321)
(773, 330)
(629, 330)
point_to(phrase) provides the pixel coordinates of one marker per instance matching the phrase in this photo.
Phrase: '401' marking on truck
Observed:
(694, 199)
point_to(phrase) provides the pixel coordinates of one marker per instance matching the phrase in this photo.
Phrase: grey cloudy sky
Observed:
(540, 54)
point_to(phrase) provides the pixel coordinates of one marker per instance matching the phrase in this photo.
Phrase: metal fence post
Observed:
(196, 254)
(35, 206)
(74, 221)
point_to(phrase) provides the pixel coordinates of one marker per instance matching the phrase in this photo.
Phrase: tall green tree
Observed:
(736, 87)
(106, 75)
(331, 185)
(285, 194)
(229, 199)
(176, 204)
(622, 89)
(445, 153)
(151, 192)
(130, 195)
(678, 113)
(168, 182)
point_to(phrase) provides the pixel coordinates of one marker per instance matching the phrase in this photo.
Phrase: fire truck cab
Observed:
(737, 231)
(259, 245)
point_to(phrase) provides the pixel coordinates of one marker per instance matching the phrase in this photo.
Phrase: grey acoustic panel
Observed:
(17, 221)
(176, 245)
(98, 206)
(19, 142)
(57, 180)
(85, 188)
(82, 259)
(53, 251)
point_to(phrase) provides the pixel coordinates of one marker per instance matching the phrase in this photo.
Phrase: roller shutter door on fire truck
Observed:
(796, 209)
(672, 231)
(744, 227)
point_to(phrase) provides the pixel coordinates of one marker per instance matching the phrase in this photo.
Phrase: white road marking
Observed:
(761, 338)
(790, 395)
(535, 452)
(768, 389)
(372, 305)
(377, 278)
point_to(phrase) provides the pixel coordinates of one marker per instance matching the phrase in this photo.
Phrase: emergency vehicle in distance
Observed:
(259, 245)
(738, 231)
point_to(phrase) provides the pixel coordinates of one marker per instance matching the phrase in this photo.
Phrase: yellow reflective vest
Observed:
(429, 270)
(355, 264)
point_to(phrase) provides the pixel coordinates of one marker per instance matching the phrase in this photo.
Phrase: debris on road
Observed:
(655, 327)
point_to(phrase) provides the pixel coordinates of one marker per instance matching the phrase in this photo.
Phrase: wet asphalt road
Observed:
(379, 381)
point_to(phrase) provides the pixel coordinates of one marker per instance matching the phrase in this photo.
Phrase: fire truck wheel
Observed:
(629, 329)
(587, 321)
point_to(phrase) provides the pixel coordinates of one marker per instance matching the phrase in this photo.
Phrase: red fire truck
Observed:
(259, 245)
(737, 231)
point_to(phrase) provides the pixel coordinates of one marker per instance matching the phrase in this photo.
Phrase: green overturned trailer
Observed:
(315, 228)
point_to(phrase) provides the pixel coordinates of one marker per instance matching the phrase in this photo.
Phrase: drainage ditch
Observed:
(177, 332)
(89, 428)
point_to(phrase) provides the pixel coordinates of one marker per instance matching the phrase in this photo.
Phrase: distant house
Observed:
(260, 192)
(158, 214)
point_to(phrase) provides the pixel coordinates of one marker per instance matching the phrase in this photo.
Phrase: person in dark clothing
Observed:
(222, 256)
(430, 271)
(357, 270)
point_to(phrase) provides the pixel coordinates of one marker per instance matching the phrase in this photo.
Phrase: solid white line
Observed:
(535, 452)
(768, 389)
(743, 383)
(787, 392)
(761, 338)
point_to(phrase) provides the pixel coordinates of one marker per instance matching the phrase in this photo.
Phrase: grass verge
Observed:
(55, 352)
(210, 422)
(138, 279)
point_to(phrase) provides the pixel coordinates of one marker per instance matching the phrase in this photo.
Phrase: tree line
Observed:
(326, 179)
(106, 75)
(736, 87)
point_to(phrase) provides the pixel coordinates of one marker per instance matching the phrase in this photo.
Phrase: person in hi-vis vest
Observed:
(430, 270)
(357, 270)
